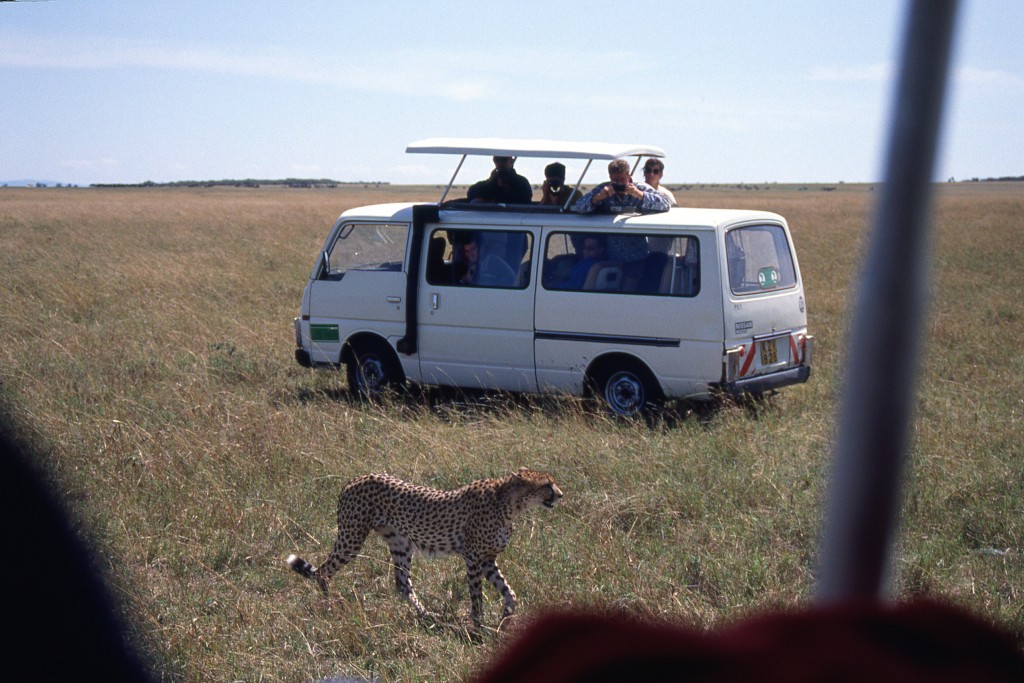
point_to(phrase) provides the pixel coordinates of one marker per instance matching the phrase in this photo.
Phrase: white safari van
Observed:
(679, 304)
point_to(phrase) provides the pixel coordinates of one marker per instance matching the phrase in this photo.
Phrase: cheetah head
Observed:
(538, 488)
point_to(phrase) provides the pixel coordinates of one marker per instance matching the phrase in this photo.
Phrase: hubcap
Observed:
(624, 393)
(371, 371)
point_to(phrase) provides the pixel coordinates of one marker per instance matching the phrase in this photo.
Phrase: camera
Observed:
(619, 187)
(554, 187)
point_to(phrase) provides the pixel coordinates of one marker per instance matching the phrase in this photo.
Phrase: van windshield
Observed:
(367, 246)
(760, 259)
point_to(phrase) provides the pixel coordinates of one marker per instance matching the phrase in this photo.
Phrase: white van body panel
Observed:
(356, 304)
(679, 338)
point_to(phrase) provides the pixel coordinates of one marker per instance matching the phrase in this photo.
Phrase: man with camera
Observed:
(504, 186)
(555, 191)
(621, 193)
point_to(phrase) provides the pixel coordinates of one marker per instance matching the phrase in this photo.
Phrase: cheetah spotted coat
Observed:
(474, 522)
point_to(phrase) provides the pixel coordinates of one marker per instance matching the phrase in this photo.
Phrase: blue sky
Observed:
(734, 91)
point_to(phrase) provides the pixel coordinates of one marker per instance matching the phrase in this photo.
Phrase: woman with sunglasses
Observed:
(653, 171)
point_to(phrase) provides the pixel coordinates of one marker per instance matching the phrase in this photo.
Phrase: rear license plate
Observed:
(769, 352)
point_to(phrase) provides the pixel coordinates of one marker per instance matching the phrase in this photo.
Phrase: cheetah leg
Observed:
(494, 576)
(346, 546)
(401, 557)
(474, 574)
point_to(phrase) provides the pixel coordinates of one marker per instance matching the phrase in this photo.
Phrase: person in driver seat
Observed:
(468, 267)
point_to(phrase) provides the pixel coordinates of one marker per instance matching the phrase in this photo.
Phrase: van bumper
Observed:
(763, 383)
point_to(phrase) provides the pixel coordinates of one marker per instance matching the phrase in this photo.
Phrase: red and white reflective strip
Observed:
(747, 357)
(797, 348)
(802, 342)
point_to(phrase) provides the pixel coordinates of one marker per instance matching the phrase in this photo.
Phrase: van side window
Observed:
(634, 263)
(366, 246)
(759, 259)
(479, 258)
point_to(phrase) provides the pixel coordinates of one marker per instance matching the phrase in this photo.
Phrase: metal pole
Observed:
(578, 183)
(452, 181)
(884, 339)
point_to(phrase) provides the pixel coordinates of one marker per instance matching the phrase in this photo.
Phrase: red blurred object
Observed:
(915, 642)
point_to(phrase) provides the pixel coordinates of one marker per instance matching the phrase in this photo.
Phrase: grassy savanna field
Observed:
(147, 354)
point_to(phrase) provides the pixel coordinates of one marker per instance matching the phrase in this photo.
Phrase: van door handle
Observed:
(434, 299)
(394, 299)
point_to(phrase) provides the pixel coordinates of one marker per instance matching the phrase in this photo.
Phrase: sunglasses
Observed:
(648, 171)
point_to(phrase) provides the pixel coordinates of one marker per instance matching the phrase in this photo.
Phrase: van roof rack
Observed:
(510, 147)
(531, 148)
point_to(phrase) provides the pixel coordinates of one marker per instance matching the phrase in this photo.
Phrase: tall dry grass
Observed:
(147, 352)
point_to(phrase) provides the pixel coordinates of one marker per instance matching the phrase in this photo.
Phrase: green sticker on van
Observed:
(324, 333)
(768, 277)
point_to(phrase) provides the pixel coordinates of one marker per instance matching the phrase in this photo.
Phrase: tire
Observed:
(372, 371)
(627, 392)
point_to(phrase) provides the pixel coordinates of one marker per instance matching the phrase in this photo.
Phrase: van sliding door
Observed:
(476, 307)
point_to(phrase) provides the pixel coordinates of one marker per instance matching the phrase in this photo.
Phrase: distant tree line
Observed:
(1002, 179)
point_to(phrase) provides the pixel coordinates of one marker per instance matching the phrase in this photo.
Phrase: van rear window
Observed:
(760, 259)
(633, 263)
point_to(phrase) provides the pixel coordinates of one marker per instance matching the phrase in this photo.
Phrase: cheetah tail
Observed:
(301, 566)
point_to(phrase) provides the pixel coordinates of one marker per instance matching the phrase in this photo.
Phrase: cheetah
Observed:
(474, 521)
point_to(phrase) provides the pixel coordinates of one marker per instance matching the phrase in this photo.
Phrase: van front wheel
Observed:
(371, 370)
(626, 392)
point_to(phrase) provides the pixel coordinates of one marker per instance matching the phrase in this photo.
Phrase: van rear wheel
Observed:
(627, 392)
(371, 370)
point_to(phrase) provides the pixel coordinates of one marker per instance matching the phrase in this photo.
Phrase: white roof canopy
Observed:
(531, 148)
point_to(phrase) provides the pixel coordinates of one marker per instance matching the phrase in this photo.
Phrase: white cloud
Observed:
(456, 77)
(990, 78)
(883, 73)
(868, 73)
(461, 76)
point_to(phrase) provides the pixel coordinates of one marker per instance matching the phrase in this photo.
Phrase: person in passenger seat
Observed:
(470, 263)
(591, 253)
